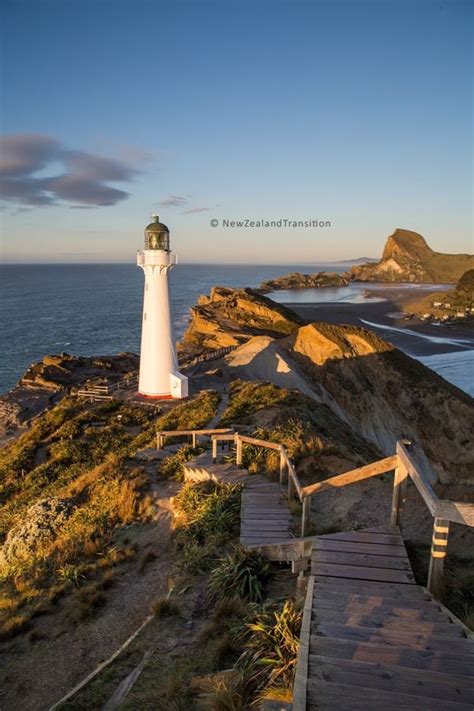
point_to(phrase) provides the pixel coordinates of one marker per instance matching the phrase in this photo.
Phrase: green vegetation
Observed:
(311, 433)
(173, 466)
(209, 513)
(191, 415)
(242, 573)
(68, 487)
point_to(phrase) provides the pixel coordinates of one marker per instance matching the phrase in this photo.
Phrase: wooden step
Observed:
(360, 559)
(390, 677)
(327, 544)
(392, 637)
(353, 572)
(344, 697)
(445, 661)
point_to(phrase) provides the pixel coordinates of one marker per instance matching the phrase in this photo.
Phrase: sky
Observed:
(355, 113)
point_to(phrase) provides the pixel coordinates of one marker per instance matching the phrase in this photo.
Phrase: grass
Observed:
(165, 607)
(242, 573)
(90, 469)
(208, 511)
(173, 466)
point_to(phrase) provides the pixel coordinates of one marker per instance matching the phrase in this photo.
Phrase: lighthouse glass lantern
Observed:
(159, 376)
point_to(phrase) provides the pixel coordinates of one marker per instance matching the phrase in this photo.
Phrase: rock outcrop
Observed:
(408, 258)
(296, 280)
(39, 527)
(230, 317)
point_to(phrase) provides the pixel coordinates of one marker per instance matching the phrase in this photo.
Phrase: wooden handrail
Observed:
(369, 470)
(176, 433)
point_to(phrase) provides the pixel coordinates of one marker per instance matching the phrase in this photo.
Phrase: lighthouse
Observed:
(159, 376)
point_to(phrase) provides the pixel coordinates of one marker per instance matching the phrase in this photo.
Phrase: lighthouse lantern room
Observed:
(159, 376)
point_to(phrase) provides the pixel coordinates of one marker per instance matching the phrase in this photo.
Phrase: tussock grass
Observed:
(242, 573)
(165, 607)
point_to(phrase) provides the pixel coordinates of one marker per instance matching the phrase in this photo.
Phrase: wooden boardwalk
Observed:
(265, 516)
(374, 640)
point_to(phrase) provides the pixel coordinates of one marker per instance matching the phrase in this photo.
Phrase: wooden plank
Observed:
(418, 682)
(326, 586)
(301, 675)
(261, 443)
(363, 537)
(369, 470)
(413, 639)
(264, 529)
(364, 559)
(420, 475)
(363, 573)
(402, 610)
(381, 621)
(357, 547)
(455, 511)
(439, 545)
(446, 661)
(400, 482)
(344, 697)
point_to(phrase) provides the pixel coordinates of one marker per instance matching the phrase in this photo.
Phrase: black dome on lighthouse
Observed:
(156, 226)
(157, 235)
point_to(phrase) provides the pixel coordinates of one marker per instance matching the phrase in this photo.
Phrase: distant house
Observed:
(447, 306)
(460, 314)
(437, 303)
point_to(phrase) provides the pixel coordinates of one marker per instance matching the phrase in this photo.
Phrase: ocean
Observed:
(95, 309)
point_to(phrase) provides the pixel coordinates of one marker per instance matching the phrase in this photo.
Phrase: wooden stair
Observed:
(265, 516)
(372, 639)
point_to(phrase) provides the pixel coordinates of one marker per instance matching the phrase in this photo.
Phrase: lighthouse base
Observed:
(179, 389)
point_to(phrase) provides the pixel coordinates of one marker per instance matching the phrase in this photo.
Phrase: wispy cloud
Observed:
(174, 201)
(83, 182)
(195, 209)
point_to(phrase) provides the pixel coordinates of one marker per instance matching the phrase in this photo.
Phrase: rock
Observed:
(385, 395)
(230, 317)
(39, 527)
(408, 258)
(296, 280)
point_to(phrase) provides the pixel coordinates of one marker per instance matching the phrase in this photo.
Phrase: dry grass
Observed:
(165, 607)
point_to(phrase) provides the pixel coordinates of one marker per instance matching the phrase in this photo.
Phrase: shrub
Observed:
(272, 647)
(165, 607)
(209, 510)
(243, 573)
(173, 466)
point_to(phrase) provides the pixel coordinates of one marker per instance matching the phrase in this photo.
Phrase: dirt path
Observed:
(38, 674)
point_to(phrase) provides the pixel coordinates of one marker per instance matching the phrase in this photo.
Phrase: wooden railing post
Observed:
(158, 441)
(291, 487)
(214, 450)
(283, 469)
(400, 483)
(439, 545)
(306, 516)
(194, 436)
(238, 456)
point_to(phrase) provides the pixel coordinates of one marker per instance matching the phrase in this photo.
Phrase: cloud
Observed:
(195, 209)
(83, 184)
(174, 200)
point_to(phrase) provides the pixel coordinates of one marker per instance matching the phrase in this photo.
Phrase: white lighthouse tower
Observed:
(159, 376)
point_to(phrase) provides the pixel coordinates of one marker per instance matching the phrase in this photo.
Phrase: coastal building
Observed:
(159, 376)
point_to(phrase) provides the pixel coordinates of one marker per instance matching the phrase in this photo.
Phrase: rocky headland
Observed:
(297, 280)
(407, 257)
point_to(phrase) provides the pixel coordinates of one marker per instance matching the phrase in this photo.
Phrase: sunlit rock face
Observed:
(407, 257)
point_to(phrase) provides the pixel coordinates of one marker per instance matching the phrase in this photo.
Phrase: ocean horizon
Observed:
(95, 309)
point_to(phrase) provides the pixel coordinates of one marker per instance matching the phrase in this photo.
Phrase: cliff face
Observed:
(408, 258)
(230, 317)
(385, 395)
